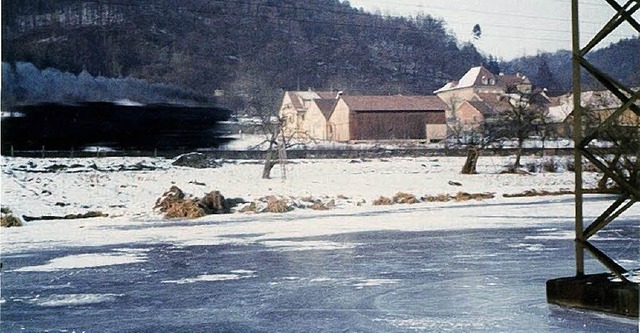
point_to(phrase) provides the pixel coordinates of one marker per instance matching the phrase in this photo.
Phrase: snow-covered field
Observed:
(127, 189)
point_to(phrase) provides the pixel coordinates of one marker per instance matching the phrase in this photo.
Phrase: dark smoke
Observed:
(23, 83)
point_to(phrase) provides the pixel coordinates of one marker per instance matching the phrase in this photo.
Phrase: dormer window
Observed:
(492, 81)
(485, 80)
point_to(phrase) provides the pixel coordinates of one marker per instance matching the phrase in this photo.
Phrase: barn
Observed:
(361, 118)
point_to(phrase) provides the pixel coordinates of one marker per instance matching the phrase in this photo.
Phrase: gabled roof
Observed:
(394, 103)
(496, 101)
(512, 81)
(298, 98)
(326, 106)
(295, 100)
(474, 77)
(482, 77)
(482, 107)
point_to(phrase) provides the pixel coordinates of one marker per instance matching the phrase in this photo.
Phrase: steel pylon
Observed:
(583, 136)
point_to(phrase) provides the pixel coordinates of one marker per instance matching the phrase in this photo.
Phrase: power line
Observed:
(368, 16)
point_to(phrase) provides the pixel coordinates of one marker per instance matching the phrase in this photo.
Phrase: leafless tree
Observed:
(526, 117)
(256, 100)
(475, 138)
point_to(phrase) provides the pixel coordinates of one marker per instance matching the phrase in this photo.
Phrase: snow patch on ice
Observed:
(233, 275)
(91, 260)
(559, 235)
(374, 282)
(308, 245)
(73, 299)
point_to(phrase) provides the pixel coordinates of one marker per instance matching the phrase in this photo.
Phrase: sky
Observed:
(510, 28)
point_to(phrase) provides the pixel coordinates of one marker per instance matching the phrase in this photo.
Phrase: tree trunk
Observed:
(268, 164)
(469, 167)
(516, 164)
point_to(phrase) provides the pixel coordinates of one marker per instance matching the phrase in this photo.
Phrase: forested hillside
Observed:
(553, 70)
(231, 45)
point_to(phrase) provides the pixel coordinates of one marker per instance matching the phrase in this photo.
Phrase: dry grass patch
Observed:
(382, 201)
(405, 198)
(184, 209)
(535, 193)
(169, 198)
(250, 208)
(318, 206)
(436, 198)
(464, 196)
(7, 219)
(277, 205)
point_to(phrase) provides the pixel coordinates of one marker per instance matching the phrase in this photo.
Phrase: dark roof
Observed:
(512, 81)
(294, 100)
(482, 107)
(395, 103)
(326, 106)
(495, 101)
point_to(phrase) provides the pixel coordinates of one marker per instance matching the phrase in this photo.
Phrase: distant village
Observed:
(457, 109)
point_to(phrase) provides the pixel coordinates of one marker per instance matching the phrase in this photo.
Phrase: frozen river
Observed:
(377, 281)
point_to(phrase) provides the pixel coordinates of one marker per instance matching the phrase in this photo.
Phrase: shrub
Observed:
(436, 198)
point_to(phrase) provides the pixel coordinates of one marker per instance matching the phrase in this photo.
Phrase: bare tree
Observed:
(475, 137)
(256, 100)
(526, 117)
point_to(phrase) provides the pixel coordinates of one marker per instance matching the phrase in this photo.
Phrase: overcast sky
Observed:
(510, 28)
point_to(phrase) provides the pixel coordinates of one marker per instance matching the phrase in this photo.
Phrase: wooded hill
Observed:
(553, 70)
(244, 46)
(208, 45)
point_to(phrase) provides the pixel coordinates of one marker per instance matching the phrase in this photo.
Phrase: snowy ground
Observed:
(57, 187)
(127, 188)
